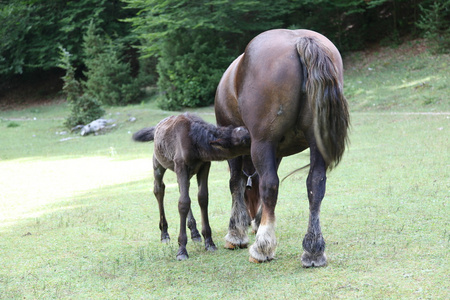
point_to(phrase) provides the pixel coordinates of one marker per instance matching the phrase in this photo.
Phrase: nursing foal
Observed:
(186, 145)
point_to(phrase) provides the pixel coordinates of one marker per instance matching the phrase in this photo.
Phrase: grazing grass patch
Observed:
(78, 219)
(403, 79)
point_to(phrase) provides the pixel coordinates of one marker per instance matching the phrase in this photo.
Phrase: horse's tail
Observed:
(326, 99)
(145, 135)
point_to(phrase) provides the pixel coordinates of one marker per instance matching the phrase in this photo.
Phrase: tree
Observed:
(31, 31)
(83, 108)
(195, 41)
(435, 22)
(109, 78)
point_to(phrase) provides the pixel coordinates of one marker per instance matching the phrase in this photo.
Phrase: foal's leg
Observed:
(266, 164)
(202, 180)
(237, 230)
(192, 225)
(184, 205)
(158, 190)
(313, 243)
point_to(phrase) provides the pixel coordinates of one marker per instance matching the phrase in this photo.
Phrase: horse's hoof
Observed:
(165, 241)
(254, 260)
(231, 246)
(310, 261)
(181, 257)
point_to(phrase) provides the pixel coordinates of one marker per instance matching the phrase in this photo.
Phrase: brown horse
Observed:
(287, 89)
(186, 145)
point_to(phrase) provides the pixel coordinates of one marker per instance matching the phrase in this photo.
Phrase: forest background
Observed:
(117, 52)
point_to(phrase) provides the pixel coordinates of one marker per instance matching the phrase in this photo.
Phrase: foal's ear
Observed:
(219, 144)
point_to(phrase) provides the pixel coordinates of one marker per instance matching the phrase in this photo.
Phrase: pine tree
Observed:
(83, 108)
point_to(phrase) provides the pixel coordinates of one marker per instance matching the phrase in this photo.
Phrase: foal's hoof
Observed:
(195, 236)
(165, 238)
(232, 246)
(197, 239)
(313, 260)
(181, 257)
(211, 248)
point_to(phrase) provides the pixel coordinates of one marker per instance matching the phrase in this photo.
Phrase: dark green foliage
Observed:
(12, 37)
(109, 79)
(185, 45)
(196, 40)
(435, 22)
(12, 125)
(83, 109)
(31, 31)
(189, 72)
(71, 87)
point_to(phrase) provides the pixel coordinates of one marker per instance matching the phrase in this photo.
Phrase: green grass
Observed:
(78, 219)
(402, 79)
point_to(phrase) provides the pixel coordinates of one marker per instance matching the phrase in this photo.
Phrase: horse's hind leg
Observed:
(237, 230)
(313, 243)
(159, 190)
(263, 156)
(202, 180)
(192, 225)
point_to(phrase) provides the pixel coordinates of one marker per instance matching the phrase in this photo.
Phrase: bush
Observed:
(189, 73)
(84, 110)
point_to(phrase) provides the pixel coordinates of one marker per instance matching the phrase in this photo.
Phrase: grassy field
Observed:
(78, 219)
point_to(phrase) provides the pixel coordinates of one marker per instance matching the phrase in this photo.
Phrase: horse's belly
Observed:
(292, 143)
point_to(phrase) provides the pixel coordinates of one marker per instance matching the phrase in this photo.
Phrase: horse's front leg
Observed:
(158, 191)
(202, 180)
(263, 156)
(237, 230)
(313, 243)
(184, 205)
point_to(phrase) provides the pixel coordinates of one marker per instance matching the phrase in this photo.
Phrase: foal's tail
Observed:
(145, 135)
(326, 99)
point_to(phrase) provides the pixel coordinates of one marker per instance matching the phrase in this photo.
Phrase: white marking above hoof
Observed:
(236, 241)
(265, 244)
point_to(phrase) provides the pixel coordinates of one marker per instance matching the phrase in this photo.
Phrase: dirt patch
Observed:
(34, 89)
(363, 59)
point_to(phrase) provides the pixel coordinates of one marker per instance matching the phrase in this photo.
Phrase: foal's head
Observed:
(240, 137)
(233, 139)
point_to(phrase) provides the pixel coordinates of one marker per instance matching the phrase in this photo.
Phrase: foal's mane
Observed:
(202, 133)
